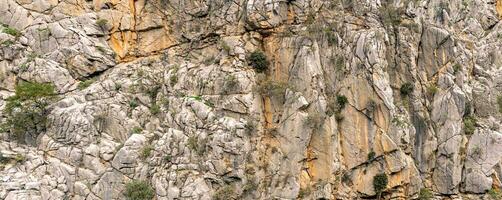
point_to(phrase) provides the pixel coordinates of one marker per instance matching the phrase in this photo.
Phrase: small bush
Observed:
(304, 192)
(346, 178)
(271, 88)
(380, 182)
(101, 23)
(137, 130)
(499, 102)
(12, 31)
(371, 155)
(390, 15)
(315, 120)
(7, 43)
(146, 152)
(456, 68)
(341, 100)
(425, 194)
(469, 124)
(406, 89)
(225, 193)
(195, 145)
(230, 84)
(192, 143)
(432, 90)
(85, 84)
(155, 109)
(133, 103)
(117, 87)
(139, 190)
(26, 112)
(495, 193)
(258, 61)
(168, 158)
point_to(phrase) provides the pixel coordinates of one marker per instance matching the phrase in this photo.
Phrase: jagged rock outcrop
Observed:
(164, 92)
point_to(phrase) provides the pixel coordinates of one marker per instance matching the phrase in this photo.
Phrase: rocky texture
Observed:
(174, 102)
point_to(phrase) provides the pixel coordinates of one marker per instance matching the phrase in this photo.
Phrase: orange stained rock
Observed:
(498, 7)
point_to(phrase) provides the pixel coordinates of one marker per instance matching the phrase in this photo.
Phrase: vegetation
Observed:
(231, 83)
(168, 158)
(341, 100)
(469, 124)
(225, 193)
(406, 89)
(137, 130)
(425, 194)
(193, 144)
(155, 109)
(138, 190)
(3, 159)
(146, 152)
(271, 88)
(314, 120)
(26, 111)
(456, 68)
(390, 15)
(499, 103)
(84, 84)
(380, 182)
(258, 61)
(133, 103)
(11, 31)
(371, 155)
(495, 193)
(432, 89)
(304, 192)
(101, 23)
(7, 43)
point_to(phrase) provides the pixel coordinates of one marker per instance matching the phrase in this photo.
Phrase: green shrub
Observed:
(26, 112)
(380, 182)
(11, 31)
(469, 124)
(146, 152)
(341, 100)
(390, 15)
(195, 145)
(371, 155)
(7, 43)
(225, 193)
(456, 68)
(499, 102)
(155, 109)
(258, 61)
(315, 120)
(231, 83)
(495, 193)
(425, 194)
(133, 103)
(271, 88)
(406, 89)
(139, 190)
(137, 130)
(168, 158)
(304, 192)
(118, 86)
(3, 159)
(85, 84)
(101, 23)
(432, 90)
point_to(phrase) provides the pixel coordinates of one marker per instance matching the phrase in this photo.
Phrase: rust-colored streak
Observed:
(498, 7)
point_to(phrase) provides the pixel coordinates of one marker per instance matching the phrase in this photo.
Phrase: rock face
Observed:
(164, 92)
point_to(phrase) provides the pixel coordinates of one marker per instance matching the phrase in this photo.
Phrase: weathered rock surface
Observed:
(163, 91)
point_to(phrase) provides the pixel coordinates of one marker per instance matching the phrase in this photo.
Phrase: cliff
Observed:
(251, 99)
